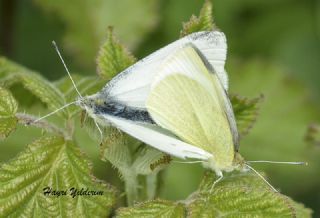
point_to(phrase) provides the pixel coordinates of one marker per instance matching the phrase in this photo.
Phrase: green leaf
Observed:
(237, 194)
(202, 23)
(242, 194)
(8, 105)
(313, 135)
(113, 57)
(58, 164)
(7, 125)
(149, 160)
(300, 210)
(116, 149)
(156, 208)
(246, 111)
(8, 109)
(11, 73)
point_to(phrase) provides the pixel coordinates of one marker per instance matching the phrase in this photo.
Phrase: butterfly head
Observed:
(238, 162)
(219, 165)
(90, 103)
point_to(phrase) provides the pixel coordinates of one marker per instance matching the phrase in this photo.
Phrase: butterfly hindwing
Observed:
(189, 101)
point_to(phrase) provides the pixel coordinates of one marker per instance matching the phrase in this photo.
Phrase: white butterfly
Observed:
(176, 101)
(131, 102)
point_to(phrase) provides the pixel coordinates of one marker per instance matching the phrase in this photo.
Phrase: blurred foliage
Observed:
(313, 135)
(280, 129)
(279, 46)
(86, 23)
(285, 32)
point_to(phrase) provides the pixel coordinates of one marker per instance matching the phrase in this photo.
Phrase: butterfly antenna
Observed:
(277, 162)
(188, 162)
(65, 66)
(251, 168)
(53, 112)
(68, 104)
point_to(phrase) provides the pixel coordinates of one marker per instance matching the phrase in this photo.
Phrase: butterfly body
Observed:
(98, 105)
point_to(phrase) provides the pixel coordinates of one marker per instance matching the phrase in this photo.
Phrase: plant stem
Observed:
(151, 183)
(131, 188)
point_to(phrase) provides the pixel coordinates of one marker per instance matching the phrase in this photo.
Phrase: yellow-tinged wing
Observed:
(190, 102)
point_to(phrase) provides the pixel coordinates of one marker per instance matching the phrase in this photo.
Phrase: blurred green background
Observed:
(274, 49)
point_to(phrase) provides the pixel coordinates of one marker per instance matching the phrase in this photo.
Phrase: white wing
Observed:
(188, 62)
(132, 86)
(158, 138)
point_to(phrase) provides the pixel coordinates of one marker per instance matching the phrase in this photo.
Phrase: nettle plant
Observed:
(56, 161)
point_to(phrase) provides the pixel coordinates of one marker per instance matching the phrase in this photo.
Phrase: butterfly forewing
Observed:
(158, 138)
(132, 86)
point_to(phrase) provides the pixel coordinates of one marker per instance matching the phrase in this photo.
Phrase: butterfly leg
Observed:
(220, 175)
